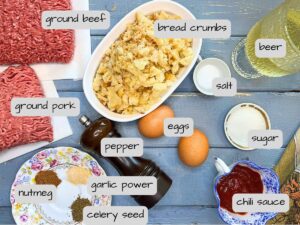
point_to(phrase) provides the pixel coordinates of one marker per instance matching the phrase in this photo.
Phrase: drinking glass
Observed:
(281, 23)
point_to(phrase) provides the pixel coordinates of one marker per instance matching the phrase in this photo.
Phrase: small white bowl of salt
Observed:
(206, 71)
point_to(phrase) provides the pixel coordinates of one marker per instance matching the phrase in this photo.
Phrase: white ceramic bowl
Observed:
(233, 140)
(218, 64)
(119, 28)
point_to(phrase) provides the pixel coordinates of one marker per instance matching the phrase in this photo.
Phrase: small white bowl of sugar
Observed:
(206, 71)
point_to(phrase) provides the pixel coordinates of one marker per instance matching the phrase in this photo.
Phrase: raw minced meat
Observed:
(21, 81)
(22, 38)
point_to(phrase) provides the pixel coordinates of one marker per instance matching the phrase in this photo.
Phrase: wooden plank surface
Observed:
(220, 49)
(208, 114)
(158, 215)
(242, 13)
(190, 200)
(189, 184)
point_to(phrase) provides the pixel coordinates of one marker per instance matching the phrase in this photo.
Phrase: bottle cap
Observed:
(84, 120)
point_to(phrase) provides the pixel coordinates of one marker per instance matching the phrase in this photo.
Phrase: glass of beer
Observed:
(281, 23)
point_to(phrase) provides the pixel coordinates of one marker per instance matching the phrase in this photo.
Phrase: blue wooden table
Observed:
(191, 199)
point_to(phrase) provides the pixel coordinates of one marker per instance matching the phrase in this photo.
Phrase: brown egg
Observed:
(152, 125)
(193, 150)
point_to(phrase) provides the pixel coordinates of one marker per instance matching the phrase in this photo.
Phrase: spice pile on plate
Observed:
(77, 208)
(69, 170)
(47, 177)
(78, 175)
(72, 195)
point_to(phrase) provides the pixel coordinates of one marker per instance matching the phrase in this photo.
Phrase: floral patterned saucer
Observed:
(51, 159)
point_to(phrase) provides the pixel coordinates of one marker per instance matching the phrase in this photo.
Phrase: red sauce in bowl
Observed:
(241, 179)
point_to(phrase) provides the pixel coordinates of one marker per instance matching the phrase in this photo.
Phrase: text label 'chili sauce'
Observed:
(241, 179)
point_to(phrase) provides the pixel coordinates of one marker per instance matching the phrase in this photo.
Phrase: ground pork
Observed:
(21, 81)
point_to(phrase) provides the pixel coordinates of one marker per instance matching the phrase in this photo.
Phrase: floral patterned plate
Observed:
(57, 159)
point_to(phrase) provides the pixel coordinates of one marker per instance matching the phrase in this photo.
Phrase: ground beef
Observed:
(22, 38)
(21, 81)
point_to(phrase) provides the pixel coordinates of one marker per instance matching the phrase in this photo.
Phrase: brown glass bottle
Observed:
(126, 166)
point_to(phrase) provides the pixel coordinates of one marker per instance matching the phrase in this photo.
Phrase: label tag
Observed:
(260, 203)
(215, 29)
(115, 215)
(178, 127)
(224, 87)
(129, 185)
(35, 194)
(45, 107)
(270, 48)
(75, 19)
(122, 147)
(265, 139)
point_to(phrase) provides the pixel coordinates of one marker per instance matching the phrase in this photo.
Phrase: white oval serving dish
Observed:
(109, 39)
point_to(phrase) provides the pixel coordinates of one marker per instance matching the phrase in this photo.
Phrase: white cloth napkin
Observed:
(61, 129)
(75, 69)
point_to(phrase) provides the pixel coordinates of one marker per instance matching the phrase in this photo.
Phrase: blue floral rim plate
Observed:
(271, 185)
